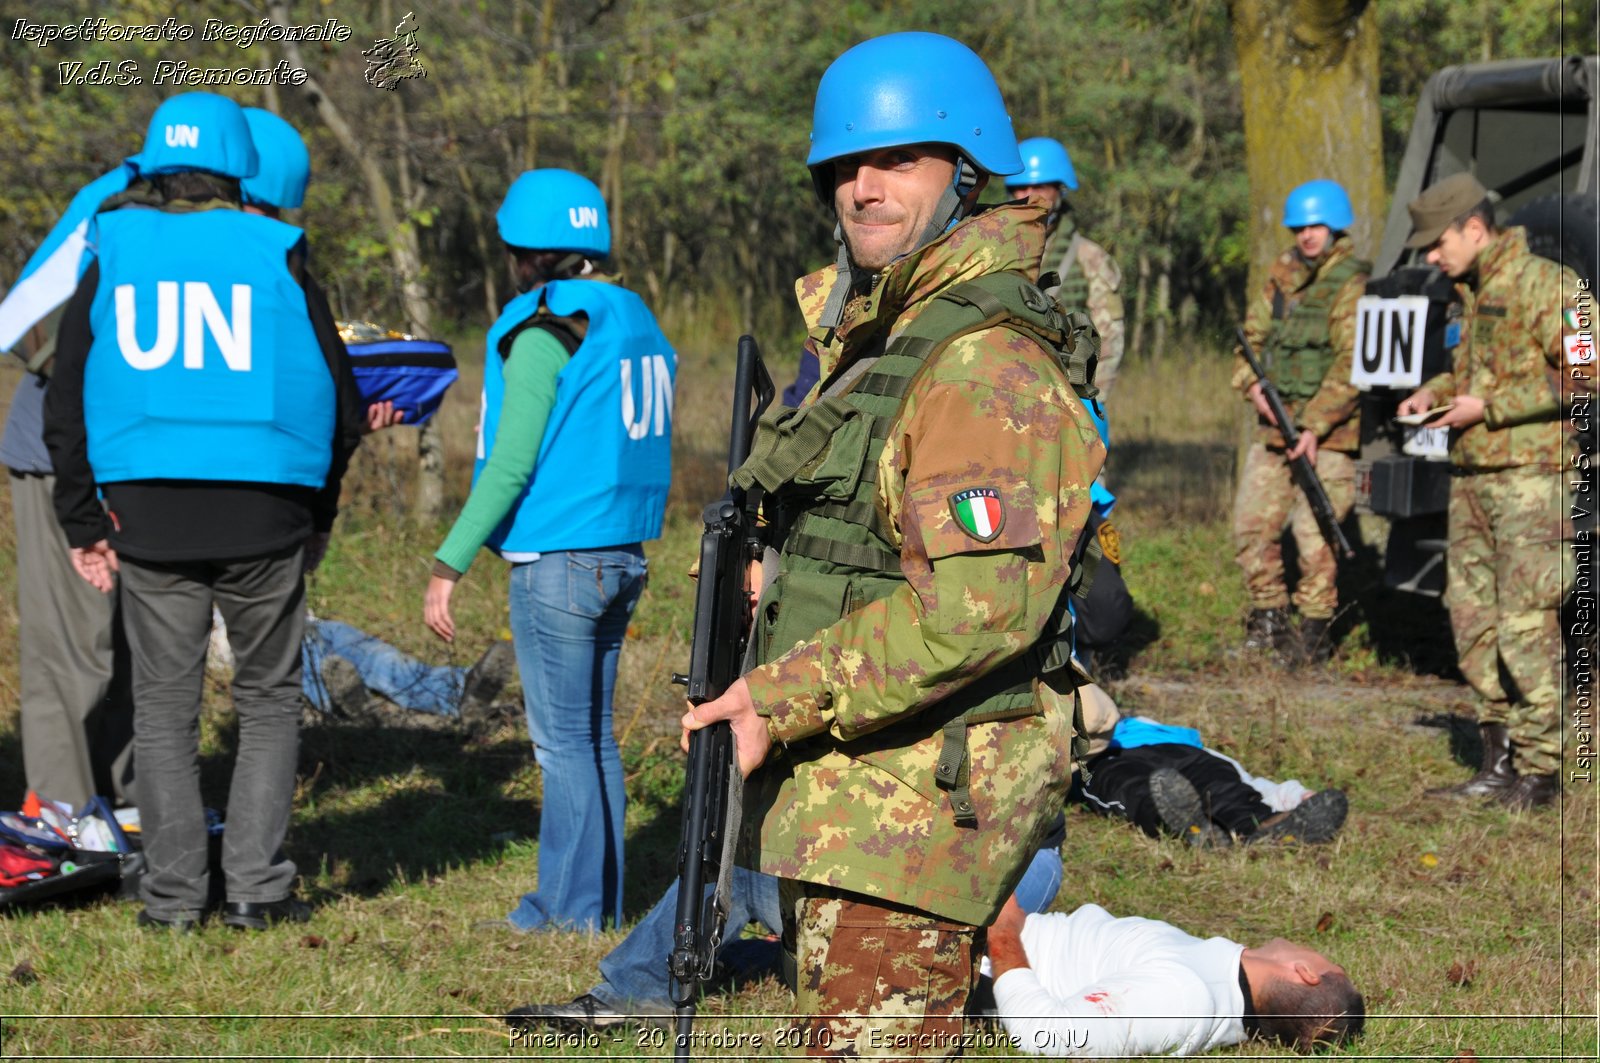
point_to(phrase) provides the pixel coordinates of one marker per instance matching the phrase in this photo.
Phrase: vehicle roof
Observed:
(1570, 82)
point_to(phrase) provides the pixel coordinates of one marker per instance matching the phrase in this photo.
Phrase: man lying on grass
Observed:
(1084, 984)
(1091, 985)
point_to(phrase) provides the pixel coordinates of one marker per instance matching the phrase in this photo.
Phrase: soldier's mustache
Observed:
(874, 217)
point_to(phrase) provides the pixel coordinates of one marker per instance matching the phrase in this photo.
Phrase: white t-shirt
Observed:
(1101, 986)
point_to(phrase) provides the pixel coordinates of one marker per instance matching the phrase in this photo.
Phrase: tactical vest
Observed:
(605, 460)
(204, 364)
(1072, 283)
(819, 468)
(1300, 349)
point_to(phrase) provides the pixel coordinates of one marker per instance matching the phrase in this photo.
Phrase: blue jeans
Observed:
(634, 974)
(1040, 883)
(569, 612)
(404, 680)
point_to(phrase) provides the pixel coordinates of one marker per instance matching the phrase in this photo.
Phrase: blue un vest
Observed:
(204, 365)
(605, 462)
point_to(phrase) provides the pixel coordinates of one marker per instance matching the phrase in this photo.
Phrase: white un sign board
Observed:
(1389, 341)
(1389, 334)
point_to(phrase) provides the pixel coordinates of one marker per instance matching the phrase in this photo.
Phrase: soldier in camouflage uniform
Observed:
(909, 727)
(1089, 277)
(1303, 327)
(1521, 363)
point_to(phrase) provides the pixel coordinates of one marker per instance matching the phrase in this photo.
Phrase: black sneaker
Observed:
(258, 915)
(1313, 821)
(587, 1012)
(1181, 811)
(484, 682)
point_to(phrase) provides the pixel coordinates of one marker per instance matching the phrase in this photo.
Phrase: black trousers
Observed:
(1119, 785)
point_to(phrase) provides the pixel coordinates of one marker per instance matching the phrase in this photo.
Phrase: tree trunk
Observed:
(1141, 290)
(533, 103)
(611, 168)
(1309, 74)
(405, 252)
(1162, 312)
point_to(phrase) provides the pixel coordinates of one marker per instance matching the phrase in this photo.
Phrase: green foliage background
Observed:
(694, 118)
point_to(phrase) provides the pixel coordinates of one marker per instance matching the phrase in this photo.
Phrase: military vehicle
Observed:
(1529, 130)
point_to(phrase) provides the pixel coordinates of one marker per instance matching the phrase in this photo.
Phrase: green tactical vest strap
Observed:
(1072, 289)
(952, 774)
(1300, 347)
(785, 442)
(1080, 735)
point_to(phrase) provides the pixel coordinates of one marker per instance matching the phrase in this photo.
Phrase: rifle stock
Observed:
(1304, 473)
(716, 659)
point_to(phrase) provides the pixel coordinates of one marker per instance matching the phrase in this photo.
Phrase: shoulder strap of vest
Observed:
(558, 328)
(1070, 259)
(1008, 300)
(1343, 270)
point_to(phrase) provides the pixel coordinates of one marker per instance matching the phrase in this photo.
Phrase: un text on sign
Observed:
(1389, 335)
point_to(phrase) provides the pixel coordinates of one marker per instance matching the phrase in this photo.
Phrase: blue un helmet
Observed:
(1320, 202)
(285, 163)
(909, 88)
(1044, 162)
(902, 89)
(555, 210)
(199, 131)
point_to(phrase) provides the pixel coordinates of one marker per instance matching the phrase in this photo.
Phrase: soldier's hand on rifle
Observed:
(1419, 401)
(1305, 446)
(750, 738)
(1259, 401)
(752, 586)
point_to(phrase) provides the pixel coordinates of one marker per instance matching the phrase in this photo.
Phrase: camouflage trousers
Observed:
(1504, 588)
(876, 980)
(1269, 499)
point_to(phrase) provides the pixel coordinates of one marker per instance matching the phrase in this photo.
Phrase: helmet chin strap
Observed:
(1062, 207)
(950, 209)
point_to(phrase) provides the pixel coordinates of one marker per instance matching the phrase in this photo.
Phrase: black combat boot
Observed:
(1496, 776)
(1530, 791)
(1268, 631)
(1316, 643)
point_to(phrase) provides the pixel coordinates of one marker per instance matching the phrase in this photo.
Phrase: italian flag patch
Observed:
(979, 513)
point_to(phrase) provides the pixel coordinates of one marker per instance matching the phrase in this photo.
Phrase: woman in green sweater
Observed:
(571, 477)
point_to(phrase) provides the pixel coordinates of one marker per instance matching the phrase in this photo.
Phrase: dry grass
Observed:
(1468, 928)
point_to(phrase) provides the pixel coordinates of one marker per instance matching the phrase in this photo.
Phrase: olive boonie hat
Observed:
(1440, 204)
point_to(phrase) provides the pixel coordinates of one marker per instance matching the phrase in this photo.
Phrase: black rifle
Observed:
(1305, 474)
(716, 660)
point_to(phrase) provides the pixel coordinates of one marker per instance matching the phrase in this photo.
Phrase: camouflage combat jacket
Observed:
(848, 796)
(1527, 350)
(1330, 413)
(1092, 282)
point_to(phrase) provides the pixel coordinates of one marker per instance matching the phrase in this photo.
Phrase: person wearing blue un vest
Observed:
(572, 471)
(202, 392)
(75, 711)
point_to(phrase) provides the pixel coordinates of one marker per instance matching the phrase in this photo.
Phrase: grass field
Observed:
(1472, 931)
